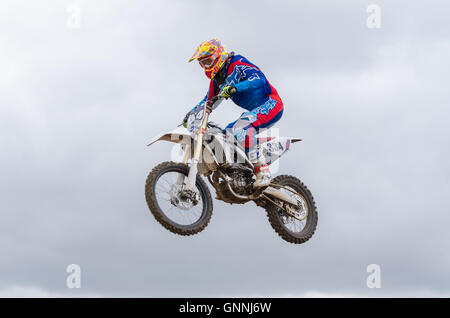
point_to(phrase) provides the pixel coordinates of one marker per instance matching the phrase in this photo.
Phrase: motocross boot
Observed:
(263, 176)
(262, 171)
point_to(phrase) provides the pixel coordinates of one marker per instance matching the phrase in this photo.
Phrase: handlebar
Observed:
(214, 100)
(209, 105)
(217, 98)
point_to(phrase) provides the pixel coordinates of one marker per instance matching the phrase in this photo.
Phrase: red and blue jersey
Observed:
(253, 88)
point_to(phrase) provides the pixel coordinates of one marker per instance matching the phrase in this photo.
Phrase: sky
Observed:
(84, 85)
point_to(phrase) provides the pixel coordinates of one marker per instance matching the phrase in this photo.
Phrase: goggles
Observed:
(206, 62)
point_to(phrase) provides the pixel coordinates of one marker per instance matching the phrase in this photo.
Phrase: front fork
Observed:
(179, 183)
(198, 143)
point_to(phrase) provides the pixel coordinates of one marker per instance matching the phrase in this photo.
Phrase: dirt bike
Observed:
(180, 200)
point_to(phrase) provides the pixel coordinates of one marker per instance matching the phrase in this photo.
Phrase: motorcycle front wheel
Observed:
(174, 212)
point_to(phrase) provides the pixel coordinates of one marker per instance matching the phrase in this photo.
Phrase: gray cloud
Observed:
(78, 106)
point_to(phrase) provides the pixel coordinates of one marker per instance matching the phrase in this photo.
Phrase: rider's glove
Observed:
(185, 119)
(227, 91)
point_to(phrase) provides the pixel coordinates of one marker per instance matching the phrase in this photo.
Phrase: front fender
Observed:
(177, 135)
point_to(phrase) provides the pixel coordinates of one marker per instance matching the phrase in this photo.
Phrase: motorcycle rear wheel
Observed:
(279, 219)
(161, 215)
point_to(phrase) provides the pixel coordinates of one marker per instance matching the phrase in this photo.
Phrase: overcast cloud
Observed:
(77, 107)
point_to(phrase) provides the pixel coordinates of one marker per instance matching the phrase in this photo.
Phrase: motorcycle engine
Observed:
(241, 177)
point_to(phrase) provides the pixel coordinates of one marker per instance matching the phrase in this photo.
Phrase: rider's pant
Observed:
(250, 123)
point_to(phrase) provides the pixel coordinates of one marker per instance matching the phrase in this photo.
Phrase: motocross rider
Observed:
(236, 77)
